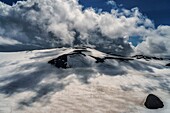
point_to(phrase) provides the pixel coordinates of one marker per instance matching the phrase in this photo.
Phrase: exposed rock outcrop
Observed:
(153, 102)
(168, 64)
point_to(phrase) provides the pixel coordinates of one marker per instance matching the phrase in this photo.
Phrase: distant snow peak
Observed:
(87, 57)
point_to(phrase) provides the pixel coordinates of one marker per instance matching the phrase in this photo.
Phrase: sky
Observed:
(120, 27)
(157, 10)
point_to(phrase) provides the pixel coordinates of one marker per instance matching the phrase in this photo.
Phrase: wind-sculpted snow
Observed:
(38, 24)
(29, 84)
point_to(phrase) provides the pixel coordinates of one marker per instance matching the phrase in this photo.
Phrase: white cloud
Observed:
(57, 23)
(7, 41)
(111, 2)
(157, 42)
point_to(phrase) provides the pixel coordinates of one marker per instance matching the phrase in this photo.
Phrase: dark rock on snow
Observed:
(80, 51)
(147, 57)
(153, 102)
(60, 62)
(98, 60)
(119, 58)
(168, 64)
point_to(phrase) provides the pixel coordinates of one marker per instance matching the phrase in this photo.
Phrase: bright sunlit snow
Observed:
(29, 84)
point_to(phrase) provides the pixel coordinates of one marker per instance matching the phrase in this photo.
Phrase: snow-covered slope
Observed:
(29, 84)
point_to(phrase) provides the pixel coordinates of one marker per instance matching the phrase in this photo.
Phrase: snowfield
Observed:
(29, 84)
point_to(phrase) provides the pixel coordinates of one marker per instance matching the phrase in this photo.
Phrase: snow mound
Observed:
(94, 82)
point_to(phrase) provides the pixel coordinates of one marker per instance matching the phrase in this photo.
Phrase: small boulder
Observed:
(153, 102)
(168, 64)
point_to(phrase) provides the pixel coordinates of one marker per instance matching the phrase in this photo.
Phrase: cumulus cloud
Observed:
(63, 23)
(156, 42)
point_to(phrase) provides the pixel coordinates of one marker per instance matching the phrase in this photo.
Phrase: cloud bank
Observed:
(63, 23)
